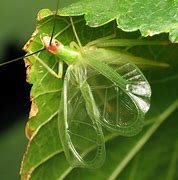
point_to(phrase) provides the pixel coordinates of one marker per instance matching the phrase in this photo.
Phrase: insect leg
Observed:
(101, 40)
(51, 71)
(75, 32)
(60, 69)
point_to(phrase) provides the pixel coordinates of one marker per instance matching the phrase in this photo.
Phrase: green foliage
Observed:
(149, 17)
(150, 154)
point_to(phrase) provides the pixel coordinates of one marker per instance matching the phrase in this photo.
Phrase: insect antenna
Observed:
(19, 58)
(52, 34)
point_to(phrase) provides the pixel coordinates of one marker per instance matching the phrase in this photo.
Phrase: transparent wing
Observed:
(121, 92)
(79, 127)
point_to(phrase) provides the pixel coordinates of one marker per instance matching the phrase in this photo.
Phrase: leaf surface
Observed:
(149, 17)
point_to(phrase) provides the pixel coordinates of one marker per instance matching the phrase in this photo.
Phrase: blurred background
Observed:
(18, 21)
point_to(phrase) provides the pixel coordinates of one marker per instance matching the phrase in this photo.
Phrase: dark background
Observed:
(18, 20)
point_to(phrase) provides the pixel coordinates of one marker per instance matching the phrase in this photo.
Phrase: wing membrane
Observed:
(79, 126)
(120, 89)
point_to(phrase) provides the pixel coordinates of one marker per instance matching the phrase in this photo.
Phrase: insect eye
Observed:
(56, 43)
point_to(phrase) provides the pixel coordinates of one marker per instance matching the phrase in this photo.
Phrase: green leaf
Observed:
(149, 17)
(126, 157)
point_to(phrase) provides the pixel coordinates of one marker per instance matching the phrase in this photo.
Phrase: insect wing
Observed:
(121, 91)
(79, 127)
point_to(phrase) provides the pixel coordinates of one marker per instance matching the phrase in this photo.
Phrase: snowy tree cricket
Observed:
(102, 87)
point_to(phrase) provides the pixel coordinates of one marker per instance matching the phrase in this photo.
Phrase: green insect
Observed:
(100, 89)
(107, 91)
